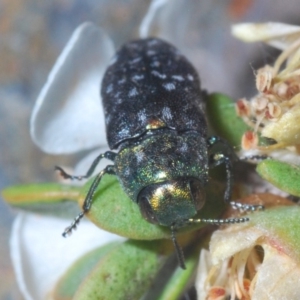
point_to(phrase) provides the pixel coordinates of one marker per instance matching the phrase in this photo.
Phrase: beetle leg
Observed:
(217, 159)
(89, 198)
(214, 140)
(108, 155)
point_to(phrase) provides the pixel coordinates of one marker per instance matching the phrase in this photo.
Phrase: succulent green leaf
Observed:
(224, 120)
(126, 272)
(180, 279)
(113, 211)
(45, 198)
(283, 175)
(39, 193)
(67, 286)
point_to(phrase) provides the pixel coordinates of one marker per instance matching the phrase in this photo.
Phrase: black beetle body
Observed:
(153, 110)
(154, 113)
(150, 85)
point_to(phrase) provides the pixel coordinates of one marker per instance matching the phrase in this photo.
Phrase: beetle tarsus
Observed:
(108, 155)
(65, 175)
(73, 226)
(88, 199)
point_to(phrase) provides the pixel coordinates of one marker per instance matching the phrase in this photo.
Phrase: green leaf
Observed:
(224, 120)
(113, 211)
(39, 193)
(126, 272)
(180, 278)
(76, 274)
(46, 198)
(283, 175)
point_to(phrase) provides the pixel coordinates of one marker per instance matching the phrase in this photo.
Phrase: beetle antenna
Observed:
(218, 221)
(255, 158)
(246, 207)
(178, 249)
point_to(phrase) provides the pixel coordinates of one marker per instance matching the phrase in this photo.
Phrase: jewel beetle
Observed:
(156, 125)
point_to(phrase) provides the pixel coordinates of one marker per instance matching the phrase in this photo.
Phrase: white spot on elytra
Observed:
(139, 156)
(135, 60)
(109, 88)
(190, 77)
(169, 86)
(184, 147)
(155, 64)
(152, 42)
(190, 123)
(151, 52)
(121, 81)
(133, 92)
(123, 132)
(117, 95)
(166, 111)
(178, 77)
(142, 115)
(127, 171)
(157, 74)
(137, 77)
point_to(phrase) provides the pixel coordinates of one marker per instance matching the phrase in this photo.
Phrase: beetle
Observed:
(155, 121)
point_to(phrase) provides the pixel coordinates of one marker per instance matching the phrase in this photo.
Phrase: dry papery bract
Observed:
(275, 111)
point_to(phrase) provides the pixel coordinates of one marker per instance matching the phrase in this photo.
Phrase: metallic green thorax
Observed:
(160, 158)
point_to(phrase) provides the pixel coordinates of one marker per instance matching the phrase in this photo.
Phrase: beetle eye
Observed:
(146, 210)
(198, 193)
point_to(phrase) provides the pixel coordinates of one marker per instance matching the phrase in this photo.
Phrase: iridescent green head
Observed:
(171, 202)
(165, 175)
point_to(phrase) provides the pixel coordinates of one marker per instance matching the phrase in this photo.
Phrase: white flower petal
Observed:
(279, 35)
(189, 31)
(221, 244)
(68, 114)
(202, 272)
(40, 254)
(147, 22)
(278, 276)
(274, 273)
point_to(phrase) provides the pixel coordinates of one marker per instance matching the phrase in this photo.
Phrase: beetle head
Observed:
(172, 202)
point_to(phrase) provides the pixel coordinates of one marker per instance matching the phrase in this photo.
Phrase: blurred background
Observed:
(33, 33)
